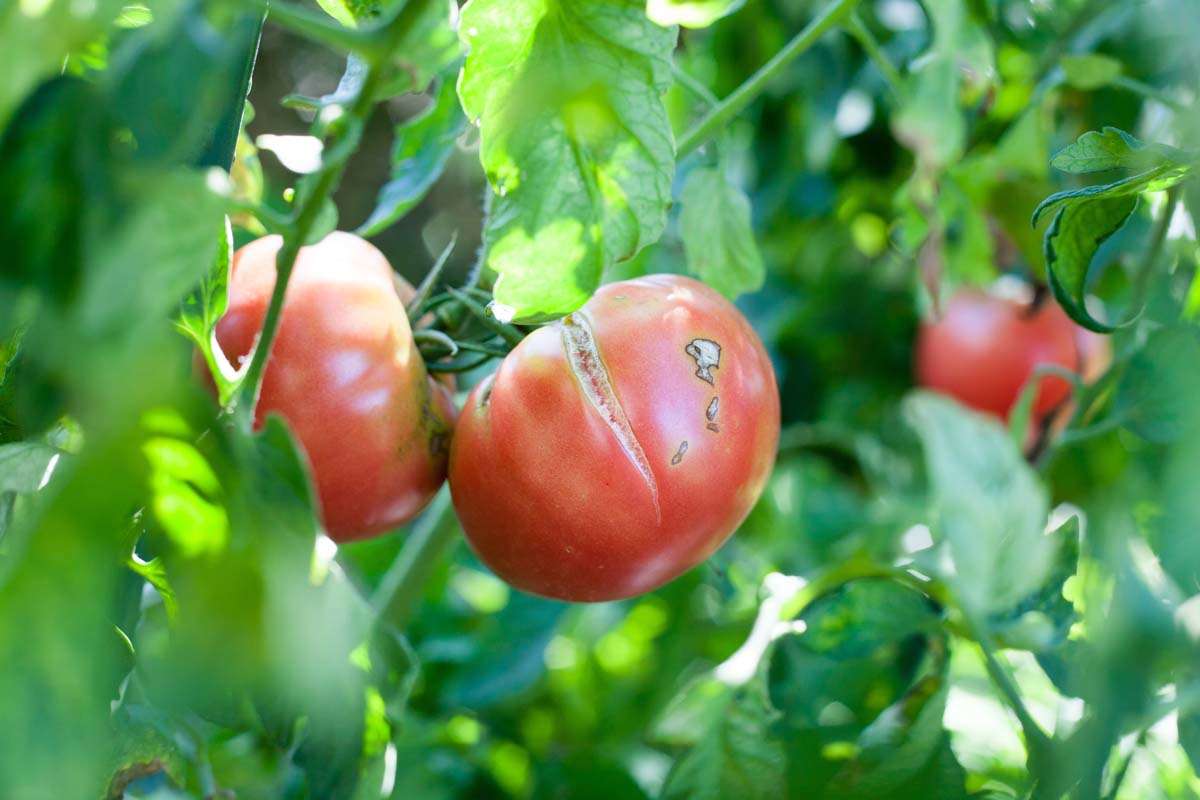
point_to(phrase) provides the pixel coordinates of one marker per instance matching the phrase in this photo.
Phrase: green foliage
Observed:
(988, 506)
(419, 155)
(717, 233)
(1084, 218)
(580, 158)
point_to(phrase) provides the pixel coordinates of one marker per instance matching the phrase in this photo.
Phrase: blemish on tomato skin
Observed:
(583, 356)
(683, 448)
(707, 355)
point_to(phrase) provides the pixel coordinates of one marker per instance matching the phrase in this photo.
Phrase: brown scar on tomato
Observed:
(707, 355)
(583, 355)
(675, 459)
(710, 414)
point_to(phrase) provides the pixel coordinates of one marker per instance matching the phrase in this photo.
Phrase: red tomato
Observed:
(346, 376)
(620, 446)
(985, 348)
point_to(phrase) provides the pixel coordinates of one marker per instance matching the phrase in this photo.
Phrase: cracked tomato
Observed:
(620, 446)
(346, 376)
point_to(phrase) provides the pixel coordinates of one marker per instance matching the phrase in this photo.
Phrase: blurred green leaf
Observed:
(735, 754)
(38, 36)
(1113, 148)
(988, 506)
(896, 746)
(171, 82)
(690, 13)
(580, 158)
(1157, 394)
(718, 236)
(1089, 71)
(929, 120)
(422, 147)
(23, 465)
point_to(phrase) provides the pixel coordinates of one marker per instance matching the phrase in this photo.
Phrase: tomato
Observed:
(985, 348)
(345, 374)
(620, 446)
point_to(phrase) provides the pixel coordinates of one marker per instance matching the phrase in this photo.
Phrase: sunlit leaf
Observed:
(690, 13)
(580, 158)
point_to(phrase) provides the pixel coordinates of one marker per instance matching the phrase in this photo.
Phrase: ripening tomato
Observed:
(620, 446)
(345, 374)
(985, 348)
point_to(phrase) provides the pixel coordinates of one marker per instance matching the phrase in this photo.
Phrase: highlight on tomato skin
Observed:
(619, 447)
(348, 379)
(984, 349)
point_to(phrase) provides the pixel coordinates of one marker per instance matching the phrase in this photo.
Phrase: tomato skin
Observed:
(562, 499)
(985, 348)
(346, 376)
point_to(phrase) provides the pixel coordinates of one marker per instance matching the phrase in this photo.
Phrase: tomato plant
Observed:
(763, 485)
(345, 374)
(620, 446)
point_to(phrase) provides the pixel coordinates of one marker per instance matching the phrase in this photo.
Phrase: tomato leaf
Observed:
(718, 237)
(170, 84)
(423, 145)
(894, 748)
(929, 120)
(581, 158)
(1071, 242)
(35, 43)
(23, 465)
(1113, 148)
(987, 506)
(734, 754)
(1157, 394)
(691, 13)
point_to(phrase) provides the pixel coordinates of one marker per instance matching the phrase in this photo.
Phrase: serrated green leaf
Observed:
(1113, 148)
(422, 147)
(735, 754)
(581, 158)
(1090, 71)
(718, 237)
(690, 13)
(987, 504)
(204, 307)
(1070, 244)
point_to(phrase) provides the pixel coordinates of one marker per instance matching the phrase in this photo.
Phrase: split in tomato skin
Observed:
(985, 348)
(346, 376)
(619, 447)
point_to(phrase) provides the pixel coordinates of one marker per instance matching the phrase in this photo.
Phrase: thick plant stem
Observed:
(402, 585)
(753, 86)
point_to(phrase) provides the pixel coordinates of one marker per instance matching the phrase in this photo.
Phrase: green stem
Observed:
(1148, 92)
(862, 34)
(1037, 741)
(313, 198)
(694, 86)
(404, 582)
(731, 106)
